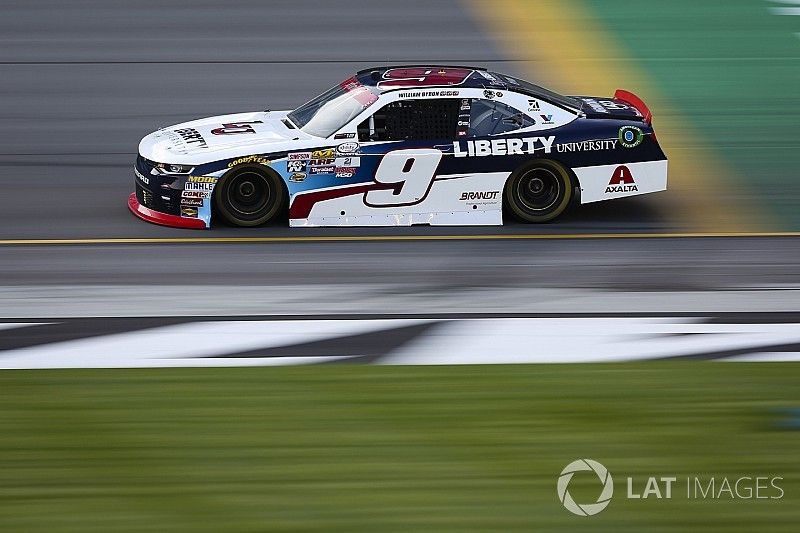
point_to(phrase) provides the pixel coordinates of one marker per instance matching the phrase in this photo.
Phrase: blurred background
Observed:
(383, 448)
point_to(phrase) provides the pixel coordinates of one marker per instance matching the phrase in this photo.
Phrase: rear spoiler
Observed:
(636, 102)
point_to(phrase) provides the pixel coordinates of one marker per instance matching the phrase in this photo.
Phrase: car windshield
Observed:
(334, 108)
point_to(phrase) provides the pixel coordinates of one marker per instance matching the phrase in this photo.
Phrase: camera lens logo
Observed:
(585, 509)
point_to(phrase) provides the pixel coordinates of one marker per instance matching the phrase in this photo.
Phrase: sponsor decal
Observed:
(321, 162)
(347, 148)
(603, 106)
(249, 159)
(323, 154)
(595, 105)
(297, 177)
(233, 128)
(608, 104)
(421, 94)
(547, 119)
(327, 169)
(346, 172)
(189, 212)
(621, 181)
(192, 136)
(492, 94)
(202, 179)
(192, 202)
(191, 186)
(296, 166)
(630, 136)
(299, 155)
(344, 136)
(527, 145)
(196, 194)
(139, 175)
(479, 195)
(533, 105)
(347, 162)
(463, 117)
(587, 146)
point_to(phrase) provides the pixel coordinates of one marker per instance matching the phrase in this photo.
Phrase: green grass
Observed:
(732, 70)
(358, 448)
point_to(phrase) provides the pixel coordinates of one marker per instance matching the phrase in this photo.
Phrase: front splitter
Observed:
(162, 219)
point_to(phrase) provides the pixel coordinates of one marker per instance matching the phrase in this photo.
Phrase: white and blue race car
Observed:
(396, 146)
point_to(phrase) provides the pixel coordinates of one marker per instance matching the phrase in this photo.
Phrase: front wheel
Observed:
(539, 192)
(249, 196)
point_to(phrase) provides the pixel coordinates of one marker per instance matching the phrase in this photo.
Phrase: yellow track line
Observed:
(367, 238)
(564, 47)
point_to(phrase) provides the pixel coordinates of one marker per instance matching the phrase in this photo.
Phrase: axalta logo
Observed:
(585, 509)
(479, 195)
(621, 181)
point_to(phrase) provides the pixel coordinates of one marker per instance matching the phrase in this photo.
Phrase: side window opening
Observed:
(412, 120)
(488, 117)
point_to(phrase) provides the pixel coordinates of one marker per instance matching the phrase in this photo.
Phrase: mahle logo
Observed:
(585, 509)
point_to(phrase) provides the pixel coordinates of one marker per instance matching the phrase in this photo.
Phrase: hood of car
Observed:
(214, 138)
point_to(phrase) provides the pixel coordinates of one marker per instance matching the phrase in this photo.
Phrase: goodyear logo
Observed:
(249, 159)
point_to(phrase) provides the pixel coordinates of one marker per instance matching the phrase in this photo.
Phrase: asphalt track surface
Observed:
(81, 82)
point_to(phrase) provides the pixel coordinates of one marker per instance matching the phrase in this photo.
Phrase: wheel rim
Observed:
(249, 195)
(538, 190)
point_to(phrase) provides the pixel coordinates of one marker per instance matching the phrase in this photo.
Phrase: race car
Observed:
(402, 145)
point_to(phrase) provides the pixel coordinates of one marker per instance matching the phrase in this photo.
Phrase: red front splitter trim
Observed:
(162, 218)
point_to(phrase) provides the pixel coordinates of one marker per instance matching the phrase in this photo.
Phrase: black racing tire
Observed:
(249, 195)
(539, 191)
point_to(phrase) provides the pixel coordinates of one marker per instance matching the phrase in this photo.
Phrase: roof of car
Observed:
(405, 77)
(389, 77)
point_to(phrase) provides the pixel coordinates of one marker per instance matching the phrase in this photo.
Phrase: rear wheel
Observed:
(539, 191)
(249, 196)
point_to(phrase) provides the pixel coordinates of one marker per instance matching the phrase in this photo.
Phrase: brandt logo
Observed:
(481, 195)
(585, 509)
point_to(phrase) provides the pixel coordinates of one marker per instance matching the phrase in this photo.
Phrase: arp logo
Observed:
(621, 181)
